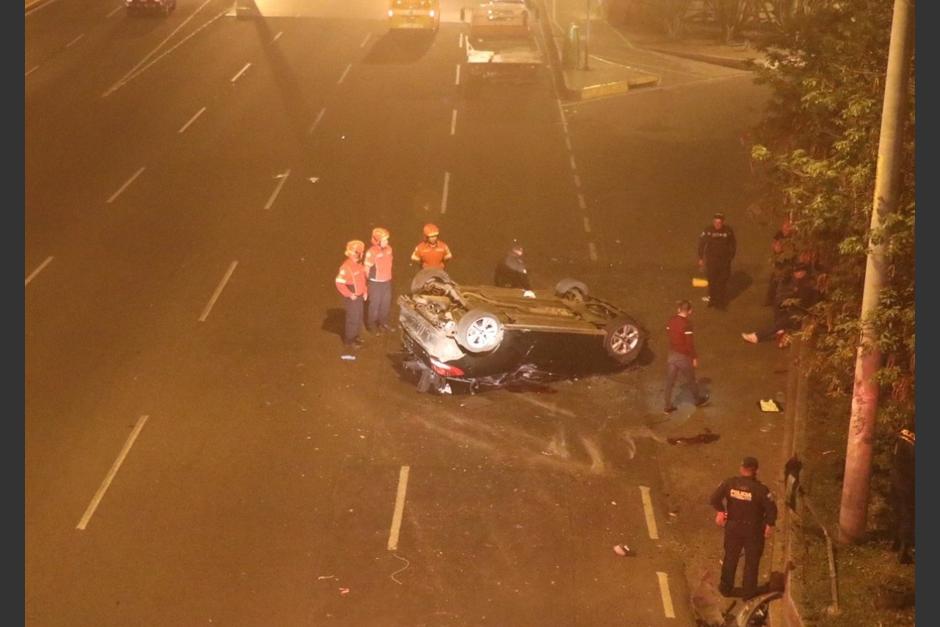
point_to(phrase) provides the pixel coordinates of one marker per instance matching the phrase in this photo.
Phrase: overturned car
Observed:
(486, 336)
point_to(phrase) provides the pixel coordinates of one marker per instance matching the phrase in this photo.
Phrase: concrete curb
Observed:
(611, 88)
(737, 64)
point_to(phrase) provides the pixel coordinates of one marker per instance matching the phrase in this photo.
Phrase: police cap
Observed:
(749, 462)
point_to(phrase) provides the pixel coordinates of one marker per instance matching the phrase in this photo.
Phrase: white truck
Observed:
(501, 42)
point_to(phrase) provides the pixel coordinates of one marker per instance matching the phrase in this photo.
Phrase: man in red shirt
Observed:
(431, 253)
(351, 285)
(378, 265)
(682, 358)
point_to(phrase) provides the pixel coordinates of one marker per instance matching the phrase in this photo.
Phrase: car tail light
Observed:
(445, 370)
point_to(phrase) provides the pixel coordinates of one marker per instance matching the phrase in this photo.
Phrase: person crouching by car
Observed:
(351, 285)
(511, 270)
(793, 299)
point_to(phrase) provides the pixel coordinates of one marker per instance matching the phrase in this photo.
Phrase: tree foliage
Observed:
(818, 148)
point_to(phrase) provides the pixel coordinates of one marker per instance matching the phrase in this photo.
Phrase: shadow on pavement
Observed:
(399, 47)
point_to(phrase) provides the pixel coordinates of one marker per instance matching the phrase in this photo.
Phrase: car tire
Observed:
(571, 289)
(428, 275)
(479, 331)
(623, 340)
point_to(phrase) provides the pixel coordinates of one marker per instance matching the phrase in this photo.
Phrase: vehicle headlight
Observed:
(391, 13)
(432, 13)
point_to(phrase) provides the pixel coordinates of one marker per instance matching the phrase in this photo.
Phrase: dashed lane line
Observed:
(365, 40)
(592, 251)
(445, 192)
(581, 202)
(278, 36)
(139, 69)
(277, 190)
(316, 122)
(399, 508)
(571, 161)
(74, 41)
(218, 291)
(126, 185)
(668, 610)
(343, 76)
(33, 274)
(32, 70)
(577, 181)
(587, 225)
(240, 72)
(453, 122)
(648, 511)
(191, 120)
(457, 77)
(90, 510)
(115, 10)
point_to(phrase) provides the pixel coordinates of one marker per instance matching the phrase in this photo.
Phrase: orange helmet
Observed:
(430, 230)
(355, 246)
(378, 234)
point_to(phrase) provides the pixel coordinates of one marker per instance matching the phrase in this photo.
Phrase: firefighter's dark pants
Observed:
(353, 319)
(380, 301)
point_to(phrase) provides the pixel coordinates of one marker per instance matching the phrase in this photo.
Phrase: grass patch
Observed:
(874, 589)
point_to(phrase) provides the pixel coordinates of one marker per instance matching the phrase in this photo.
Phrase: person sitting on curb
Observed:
(793, 299)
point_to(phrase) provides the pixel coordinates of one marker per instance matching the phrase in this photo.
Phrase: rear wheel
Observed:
(479, 331)
(623, 340)
(571, 289)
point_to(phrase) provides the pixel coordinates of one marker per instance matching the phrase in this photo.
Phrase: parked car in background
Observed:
(163, 7)
(414, 14)
(485, 336)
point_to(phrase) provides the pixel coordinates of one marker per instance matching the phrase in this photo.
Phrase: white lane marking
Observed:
(74, 41)
(547, 406)
(137, 69)
(587, 225)
(277, 190)
(399, 508)
(42, 5)
(561, 112)
(191, 120)
(32, 70)
(648, 510)
(453, 122)
(460, 40)
(240, 72)
(664, 592)
(365, 40)
(125, 185)
(577, 181)
(38, 270)
(568, 143)
(457, 78)
(592, 251)
(218, 292)
(581, 202)
(278, 36)
(345, 72)
(444, 193)
(115, 10)
(316, 122)
(90, 510)
(571, 161)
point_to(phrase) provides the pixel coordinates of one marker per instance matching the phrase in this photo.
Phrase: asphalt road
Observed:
(196, 450)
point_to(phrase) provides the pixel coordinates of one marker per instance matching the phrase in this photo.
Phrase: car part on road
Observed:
(571, 289)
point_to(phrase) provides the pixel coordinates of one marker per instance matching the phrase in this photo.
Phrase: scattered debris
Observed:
(348, 357)
(326, 577)
(407, 564)
(343, 591)
(623, 550)
(702, 438)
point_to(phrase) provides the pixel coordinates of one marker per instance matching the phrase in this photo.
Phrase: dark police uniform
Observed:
(717, 248)
(749, 506)
(902, 492)
(511, 272)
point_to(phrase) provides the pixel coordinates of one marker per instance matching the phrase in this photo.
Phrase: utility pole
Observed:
(587, 35)
(858, 454)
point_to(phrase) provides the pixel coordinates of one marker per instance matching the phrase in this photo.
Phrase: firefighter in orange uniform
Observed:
(432, 252)
(378, 266)
(351, 284)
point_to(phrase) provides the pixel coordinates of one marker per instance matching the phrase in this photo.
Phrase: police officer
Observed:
(747, 511)
(351, 285)
(511, 271)
(716, 249)
(902, 493)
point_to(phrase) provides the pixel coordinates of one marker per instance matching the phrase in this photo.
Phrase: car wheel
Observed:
(479, 331)
(571, 289)
(623, 340)
(427, 277)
